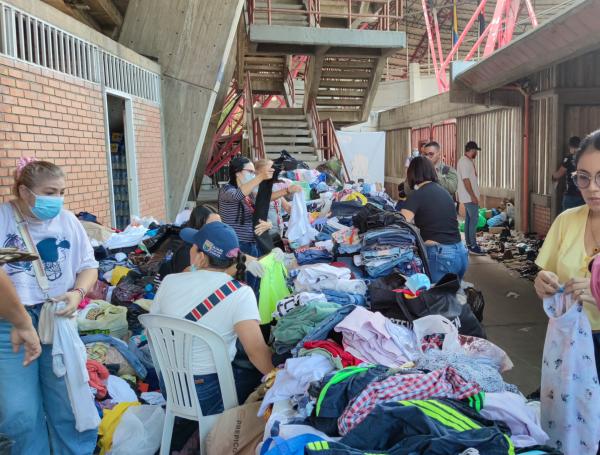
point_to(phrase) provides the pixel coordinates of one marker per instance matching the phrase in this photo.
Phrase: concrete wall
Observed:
(192, 41)
(391, 94)
(59, 118)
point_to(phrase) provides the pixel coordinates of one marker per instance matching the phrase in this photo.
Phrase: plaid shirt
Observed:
(443, 383)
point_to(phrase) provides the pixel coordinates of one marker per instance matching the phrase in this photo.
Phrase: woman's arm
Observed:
(23, 332)
(281, 193)
(254, 344)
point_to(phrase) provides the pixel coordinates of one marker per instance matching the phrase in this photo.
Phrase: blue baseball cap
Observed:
(216, 239)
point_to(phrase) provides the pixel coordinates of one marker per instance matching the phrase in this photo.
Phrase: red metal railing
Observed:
(289, 87)
(316, 124)
(331, 146)
(227, 141)
(327, 142)
(257, 144)
(388, 16)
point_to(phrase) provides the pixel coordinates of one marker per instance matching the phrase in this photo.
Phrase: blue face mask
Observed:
(47, 207)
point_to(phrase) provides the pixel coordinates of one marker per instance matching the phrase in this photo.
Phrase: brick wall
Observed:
(542, 219)
(55, 117)
(150, 164)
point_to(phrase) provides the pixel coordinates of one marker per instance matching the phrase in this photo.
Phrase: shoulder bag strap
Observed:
(38, 267)
(213, 300)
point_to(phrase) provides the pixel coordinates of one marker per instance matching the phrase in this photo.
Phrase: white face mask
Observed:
(248, 176)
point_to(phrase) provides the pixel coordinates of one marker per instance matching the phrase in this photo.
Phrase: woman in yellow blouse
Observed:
(574, 239)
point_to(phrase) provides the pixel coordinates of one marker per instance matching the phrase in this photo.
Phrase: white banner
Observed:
(364, 154)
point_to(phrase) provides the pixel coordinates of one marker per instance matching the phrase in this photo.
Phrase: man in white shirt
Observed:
(469, 194)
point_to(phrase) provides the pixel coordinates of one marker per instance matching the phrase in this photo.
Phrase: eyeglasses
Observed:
(583, 181)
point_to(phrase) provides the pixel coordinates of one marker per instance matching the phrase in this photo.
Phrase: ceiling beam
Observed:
(109, 8)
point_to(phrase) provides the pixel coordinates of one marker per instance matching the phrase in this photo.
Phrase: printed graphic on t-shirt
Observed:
(53, 253)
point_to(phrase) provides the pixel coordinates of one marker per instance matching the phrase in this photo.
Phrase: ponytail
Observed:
(240, 266)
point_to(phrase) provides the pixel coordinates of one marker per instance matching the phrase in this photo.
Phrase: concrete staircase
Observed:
(287, 18)
(267, 73)
(345, 89)
(288, 129)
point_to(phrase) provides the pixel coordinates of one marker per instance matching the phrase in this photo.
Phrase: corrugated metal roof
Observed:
(572, 33)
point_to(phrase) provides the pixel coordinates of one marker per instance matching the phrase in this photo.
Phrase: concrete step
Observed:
(281, 4)
(340, 101)
(325, 91)
(291, 149)
(287, 140)
(290, 21)
(358, 64)
(349, 73)
(290, 132)
(281, 117)
(253, 58)
(337, 83)
(267, 124)
(279, 111)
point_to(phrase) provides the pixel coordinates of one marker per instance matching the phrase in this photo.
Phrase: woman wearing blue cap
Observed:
(217, 267)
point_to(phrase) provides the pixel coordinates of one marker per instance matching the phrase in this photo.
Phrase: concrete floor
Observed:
(517, 325)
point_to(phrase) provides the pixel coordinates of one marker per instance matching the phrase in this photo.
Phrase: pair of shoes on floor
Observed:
(476, 251)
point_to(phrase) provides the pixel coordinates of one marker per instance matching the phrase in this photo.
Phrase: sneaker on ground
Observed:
(477, 251)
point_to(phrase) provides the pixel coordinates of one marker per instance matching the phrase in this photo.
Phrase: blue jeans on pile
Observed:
(379, 262)
(344, 298)
(314, 256)
(251, 249)
(444, 259)
(35, 411)
(389, 236)
(322, 330)
(471, 221)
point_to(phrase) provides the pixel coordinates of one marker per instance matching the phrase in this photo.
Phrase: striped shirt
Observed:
(235, 212)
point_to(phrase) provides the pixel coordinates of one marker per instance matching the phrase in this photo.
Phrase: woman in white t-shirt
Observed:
(216, 266)
(35, 408)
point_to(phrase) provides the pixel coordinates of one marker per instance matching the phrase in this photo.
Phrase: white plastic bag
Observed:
(139, 432)
(430, 325)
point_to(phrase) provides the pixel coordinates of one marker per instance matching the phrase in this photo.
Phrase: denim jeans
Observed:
(471, 221)
(209, 389)
(445, 259)
(35, 410)
(251, 249)
(571, 201)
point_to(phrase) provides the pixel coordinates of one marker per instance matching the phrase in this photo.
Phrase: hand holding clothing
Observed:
(580, 289)
(72, 300)
(262, 227)
(546, 284)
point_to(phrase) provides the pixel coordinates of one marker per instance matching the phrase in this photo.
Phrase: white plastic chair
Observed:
(171, 342)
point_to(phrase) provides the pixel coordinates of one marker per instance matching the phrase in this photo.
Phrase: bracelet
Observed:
(81, 292)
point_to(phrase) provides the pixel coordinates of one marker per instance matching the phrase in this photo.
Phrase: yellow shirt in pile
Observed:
(564, 252)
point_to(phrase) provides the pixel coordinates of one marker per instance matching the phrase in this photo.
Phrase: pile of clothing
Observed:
(357, 382)
(122, 376)
(371, 363)
(390, 248)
